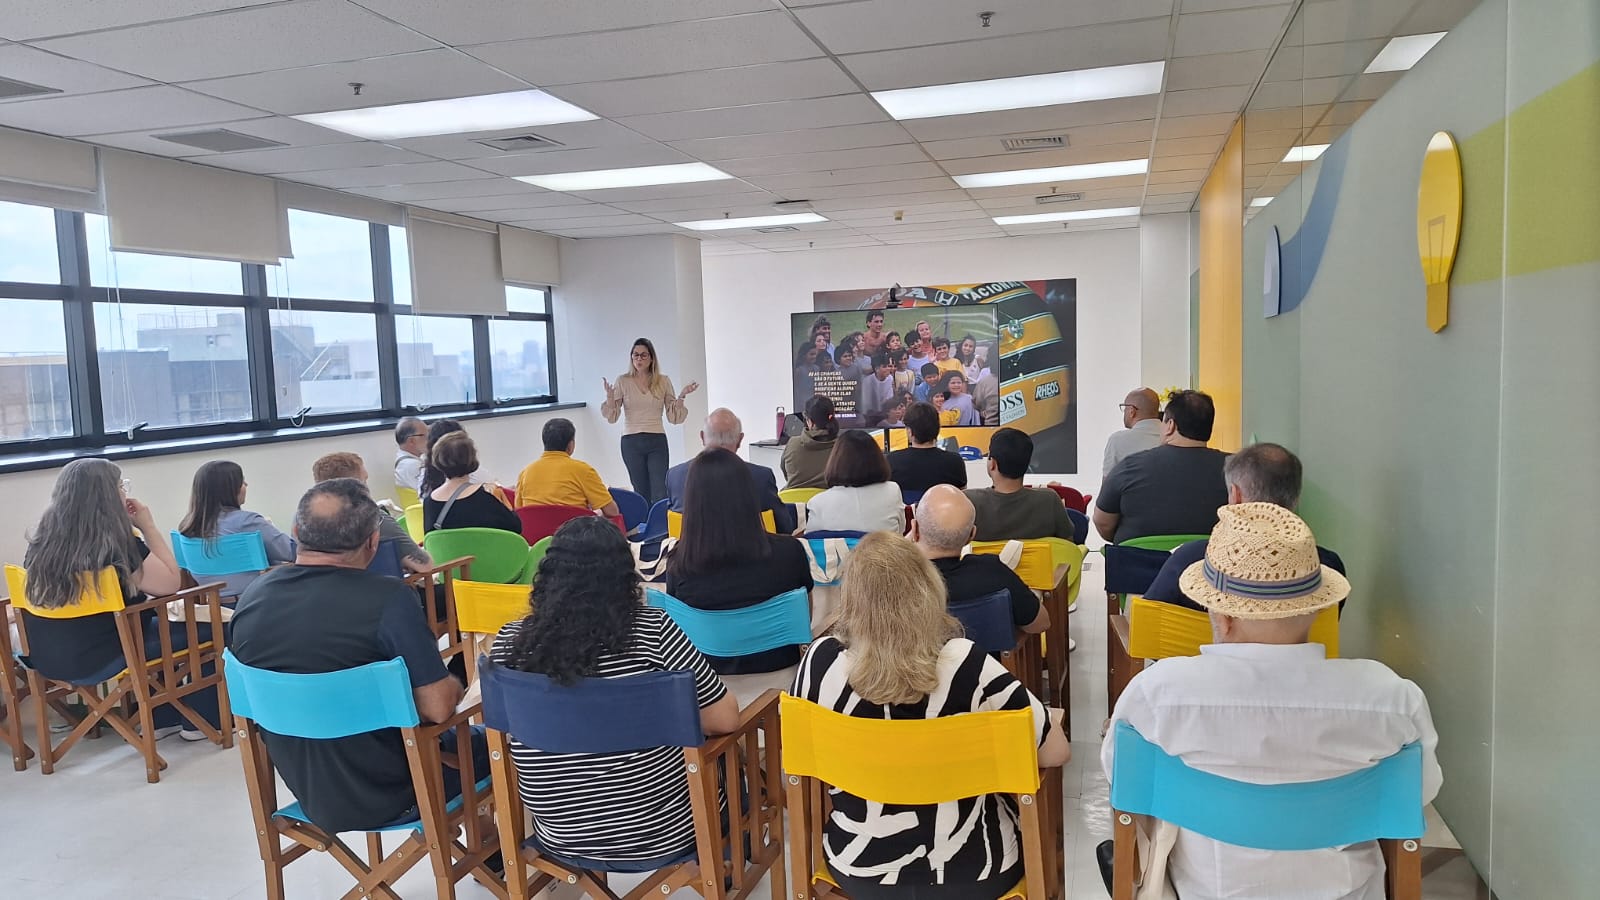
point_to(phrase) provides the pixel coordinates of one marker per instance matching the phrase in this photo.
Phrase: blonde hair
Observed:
(657, 385)
(893, 617)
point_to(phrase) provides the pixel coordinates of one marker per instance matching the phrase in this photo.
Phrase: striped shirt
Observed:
(616, 806)
(947, 843)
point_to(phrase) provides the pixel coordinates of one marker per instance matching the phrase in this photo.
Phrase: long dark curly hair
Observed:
(585, 597)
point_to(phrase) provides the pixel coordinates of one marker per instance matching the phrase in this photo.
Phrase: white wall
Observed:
(748, 299)
(1164, 253)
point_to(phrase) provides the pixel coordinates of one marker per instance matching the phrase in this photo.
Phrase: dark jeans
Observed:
(869, 889)
(645, 455)
(203, 702)
(452, 775)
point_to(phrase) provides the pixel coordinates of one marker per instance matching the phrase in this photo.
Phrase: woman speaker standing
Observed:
(639, 396)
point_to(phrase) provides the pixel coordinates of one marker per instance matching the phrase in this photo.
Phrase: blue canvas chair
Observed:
(1382, 802)
(1080, 526)
(987, 621)
(782, 621)
(233, 559)
(641, 711)
(633, 507)
(655, 524)
(349, 702)
(386, 561)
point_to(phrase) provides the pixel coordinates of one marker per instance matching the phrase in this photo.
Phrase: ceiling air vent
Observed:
(10, 89)
(218, 140)
(791, 205)
(1058, 198)
(1030, 144)
(776, 229)
(519, 143)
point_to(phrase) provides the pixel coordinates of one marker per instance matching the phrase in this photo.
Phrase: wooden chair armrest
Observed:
(1062, 577)
(460, 716)
(1119, 628)
(765, 706)
(202, 594)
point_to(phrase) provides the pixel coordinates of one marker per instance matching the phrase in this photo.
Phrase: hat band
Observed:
(1263, 590)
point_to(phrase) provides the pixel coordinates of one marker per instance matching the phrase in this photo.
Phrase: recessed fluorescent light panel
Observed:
(487, 112)
(642, 176)
(1304, 153)
(1073, 216)
(1055, 173)
(1025, 92)
(751, 222)
(1261, 201)
(1403, 52)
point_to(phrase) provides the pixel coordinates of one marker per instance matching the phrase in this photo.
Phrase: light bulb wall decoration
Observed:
(1439, 223)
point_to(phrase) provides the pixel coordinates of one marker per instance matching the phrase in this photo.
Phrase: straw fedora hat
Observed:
(1262, 563)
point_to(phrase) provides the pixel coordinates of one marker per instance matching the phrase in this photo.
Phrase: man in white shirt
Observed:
(1262, 705)
(411, 434)
(1141, 428)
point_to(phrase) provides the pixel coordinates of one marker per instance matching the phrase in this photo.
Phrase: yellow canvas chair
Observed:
(1054, 568)
(406, 498)
(482, 609)
(916, 761)
(1156, 630)
(413, 522)
(137, 681)
(675, 523)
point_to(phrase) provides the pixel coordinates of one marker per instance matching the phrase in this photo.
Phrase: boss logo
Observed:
(1012, 407)
(1047, 390)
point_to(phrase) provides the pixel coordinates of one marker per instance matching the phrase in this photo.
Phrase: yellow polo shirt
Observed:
(950, 365)
(556, 479)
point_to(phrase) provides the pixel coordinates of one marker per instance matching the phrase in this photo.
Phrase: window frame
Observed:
(267, 423)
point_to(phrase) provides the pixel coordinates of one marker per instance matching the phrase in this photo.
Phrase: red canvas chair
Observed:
(542, 521)
(1072, 498)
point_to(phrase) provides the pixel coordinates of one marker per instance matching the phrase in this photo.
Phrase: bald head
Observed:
(723, 429)
(944, 521)
(1145, 403)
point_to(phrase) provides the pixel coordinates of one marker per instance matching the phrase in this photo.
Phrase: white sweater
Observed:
(875, 507)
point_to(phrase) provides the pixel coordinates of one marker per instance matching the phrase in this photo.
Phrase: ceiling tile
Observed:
(1230, 31)
(611, 218)
(570, 136)
(759, 118)
(283, 160)
(888, 24)
(1046, 118)
(1207, 145)
(1194, 126)
(482, 21)
(1215, 70)
(521, 201)
(281, 36)
(609, 231)
(882, 201)
(1080, 137)
(286, 131)
(1010, 162)
(142, 108)
(399, 78)
(1322, 60)
(867, 175)
(1178, 176)
(655, 50)
(811, 140)
(1178, 163)
(67, 76)
(739, 86)
(27, 21)
(486, 187)
(1191, 6)
(745, 198)
(818, 162)
(548, 161)
(1336, 21)
(383, 176)
(1206, 101)
(700, 213)
(667, 191)
(1031, 54)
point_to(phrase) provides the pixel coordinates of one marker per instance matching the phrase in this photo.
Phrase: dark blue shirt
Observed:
(1165, 587)
(766, 485)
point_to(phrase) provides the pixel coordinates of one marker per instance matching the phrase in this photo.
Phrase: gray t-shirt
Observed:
(1167, 490)
(1021, 516)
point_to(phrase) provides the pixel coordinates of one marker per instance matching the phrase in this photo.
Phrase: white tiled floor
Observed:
(96, 830)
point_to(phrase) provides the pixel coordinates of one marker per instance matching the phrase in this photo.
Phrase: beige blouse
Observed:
(641, 409)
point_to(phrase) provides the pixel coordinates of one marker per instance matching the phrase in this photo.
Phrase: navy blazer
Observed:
(766, 485)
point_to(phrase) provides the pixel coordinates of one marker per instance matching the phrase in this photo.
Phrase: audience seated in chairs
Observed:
(1172, 489)
(458, 502)
(325, 613)
(411, 438)
(588, 621)
(806, 455)
(941, 529)
(87, 527)
(1260, 473)
(557, 479)
(726, 560)
(215, 510)
(723, 429)
(897, 654)
(431, 476)
(860, 496)
(350, 465)
(1263, 705)
(923, 465)
(1012, 511)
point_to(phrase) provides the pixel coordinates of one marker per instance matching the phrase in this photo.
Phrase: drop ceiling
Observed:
(773, 92)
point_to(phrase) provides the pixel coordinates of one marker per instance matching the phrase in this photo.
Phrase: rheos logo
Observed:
(1047, 390)
(1012, 407)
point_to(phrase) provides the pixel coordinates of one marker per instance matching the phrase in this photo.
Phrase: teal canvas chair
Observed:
(782, 621)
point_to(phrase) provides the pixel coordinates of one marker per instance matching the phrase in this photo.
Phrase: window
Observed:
(144, 271)
(28, 244)
(35, 398)
(436, 356)
(324, 362)
(171, 366)
(519, 354)
(399, 266)
(524, 300)
(332, 259)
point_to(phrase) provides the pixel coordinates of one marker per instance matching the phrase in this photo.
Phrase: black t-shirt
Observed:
(1165, 490)
(920, 468)
(979, 575)
(479, 509)
(746, 584)
(1165, 586)
(73, 649)
(313, 619)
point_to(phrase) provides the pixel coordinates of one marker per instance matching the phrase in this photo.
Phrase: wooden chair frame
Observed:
(752, 847)
(1056, 644)
(13, 690)
(453, 859)
(443, 576)
(128, 700)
